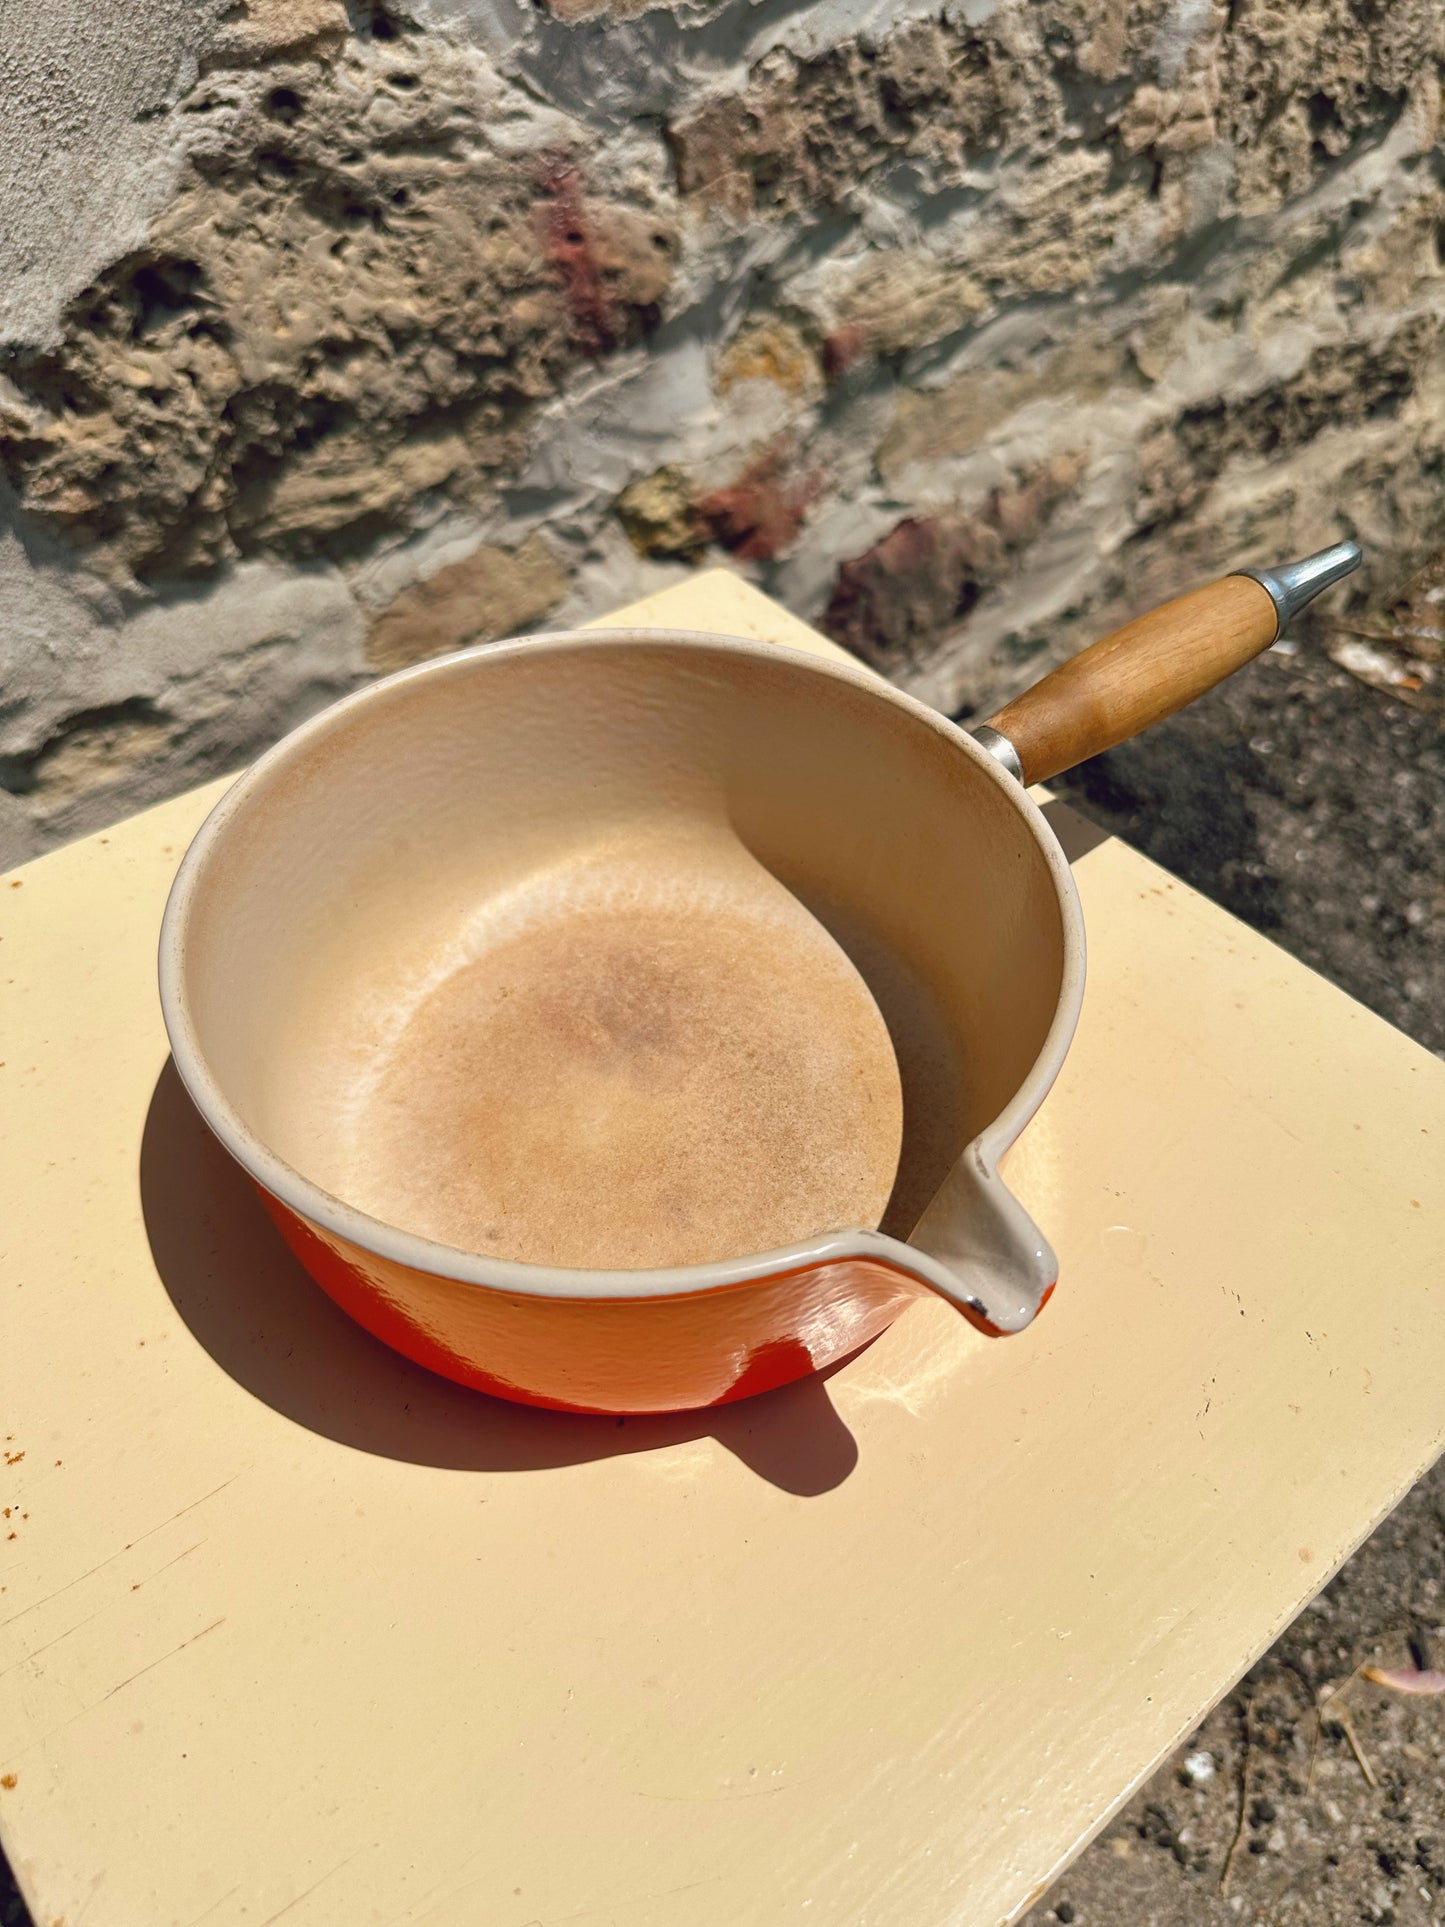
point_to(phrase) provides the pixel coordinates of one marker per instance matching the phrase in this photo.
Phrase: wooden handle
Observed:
(1137, 676)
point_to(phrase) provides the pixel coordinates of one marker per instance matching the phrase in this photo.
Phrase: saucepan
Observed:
(633, 1020)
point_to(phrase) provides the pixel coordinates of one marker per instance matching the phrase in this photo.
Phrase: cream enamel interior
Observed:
(346, 866)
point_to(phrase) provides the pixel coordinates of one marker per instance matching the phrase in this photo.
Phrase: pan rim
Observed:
(513, 1277)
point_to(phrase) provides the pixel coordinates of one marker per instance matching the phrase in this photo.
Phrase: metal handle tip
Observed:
(1293, 584)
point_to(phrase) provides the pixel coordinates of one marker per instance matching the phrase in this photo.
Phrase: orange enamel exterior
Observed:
(607, 1355)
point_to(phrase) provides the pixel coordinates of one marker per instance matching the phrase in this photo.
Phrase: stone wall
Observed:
(336, 335)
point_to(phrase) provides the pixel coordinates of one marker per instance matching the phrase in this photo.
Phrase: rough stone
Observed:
(925, 576)
(1110, 40)
(804, 132)
(1342, 384)
(573, 11)
(354, 299)
(88, 154)
(933, 423)
(492, 592)
(1395, 266)
(97, 748)
(1302, 82)
(660, 516)
(768, 350)
(257, 30)
(758, 516)
(902, 301)
(1172, 122)
(775, 284)
(1052, 227)
(108, 709)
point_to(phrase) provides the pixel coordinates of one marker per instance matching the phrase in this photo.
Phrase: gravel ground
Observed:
(1312, 807)
(1320, 1844)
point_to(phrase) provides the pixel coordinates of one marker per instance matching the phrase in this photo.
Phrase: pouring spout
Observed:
(1293, 584)
(985, 1253)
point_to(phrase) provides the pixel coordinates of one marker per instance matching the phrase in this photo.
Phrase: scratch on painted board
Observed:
(162, 1660)
(26, 1658)
(38, 1650)
(311, 1889)
(688, 1886)
(45, 1738)
(206, 1914)
(150, 1533)
(167, 1566)
(95, 1887)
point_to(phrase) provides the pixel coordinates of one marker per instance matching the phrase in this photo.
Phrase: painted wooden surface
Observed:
(293, 1631)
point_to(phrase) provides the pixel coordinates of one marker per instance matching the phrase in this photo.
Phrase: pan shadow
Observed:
(1076, 834)
(248, 1302)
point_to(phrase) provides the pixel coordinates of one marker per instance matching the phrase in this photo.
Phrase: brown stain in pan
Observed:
(657, 1085)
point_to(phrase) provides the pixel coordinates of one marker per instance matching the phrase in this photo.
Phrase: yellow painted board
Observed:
(290, 1630)
(721, 602)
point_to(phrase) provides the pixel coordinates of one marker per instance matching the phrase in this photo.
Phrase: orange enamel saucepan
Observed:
(425, 952)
